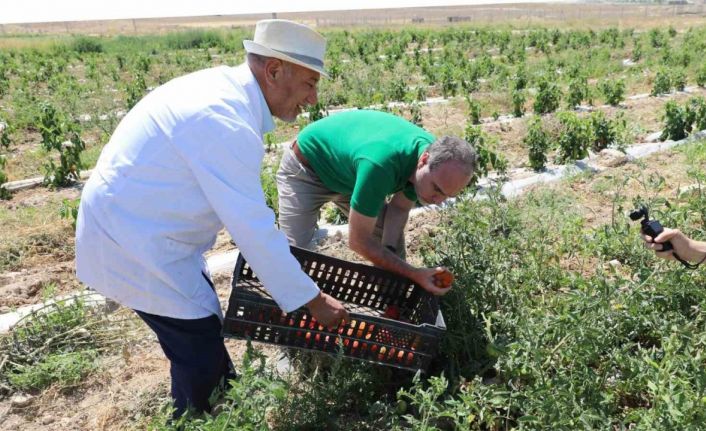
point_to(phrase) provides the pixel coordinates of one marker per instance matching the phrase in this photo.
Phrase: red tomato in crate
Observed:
(410, 358)
(392, 312)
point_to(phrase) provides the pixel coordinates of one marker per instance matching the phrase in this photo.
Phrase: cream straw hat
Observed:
(289, 41)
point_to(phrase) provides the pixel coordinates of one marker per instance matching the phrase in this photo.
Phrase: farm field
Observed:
(559, 318)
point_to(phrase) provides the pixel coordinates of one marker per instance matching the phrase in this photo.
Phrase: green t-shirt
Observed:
(366, 155)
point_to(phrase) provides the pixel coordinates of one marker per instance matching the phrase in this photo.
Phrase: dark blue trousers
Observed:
(198, 358)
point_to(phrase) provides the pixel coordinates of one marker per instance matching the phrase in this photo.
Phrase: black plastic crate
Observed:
(370, 294)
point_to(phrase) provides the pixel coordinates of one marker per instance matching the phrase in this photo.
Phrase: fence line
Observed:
(605, 12)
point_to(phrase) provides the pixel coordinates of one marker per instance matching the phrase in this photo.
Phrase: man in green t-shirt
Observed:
(357, 159)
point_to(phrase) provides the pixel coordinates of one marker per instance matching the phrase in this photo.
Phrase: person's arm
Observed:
(396, 219)
(362, 241)
(687, 248)
(225, 156)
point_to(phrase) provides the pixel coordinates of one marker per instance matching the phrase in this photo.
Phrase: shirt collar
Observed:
(251, 85)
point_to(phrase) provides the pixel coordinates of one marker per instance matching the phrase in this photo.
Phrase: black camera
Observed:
(651, 228)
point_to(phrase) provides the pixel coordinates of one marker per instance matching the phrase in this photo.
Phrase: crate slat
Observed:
(367, 292)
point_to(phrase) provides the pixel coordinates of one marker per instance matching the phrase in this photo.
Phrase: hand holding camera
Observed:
(650, 228)
(669, 243)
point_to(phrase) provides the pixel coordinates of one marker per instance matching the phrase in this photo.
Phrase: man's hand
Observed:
(327, 310)
(685, 247)
(434, 280)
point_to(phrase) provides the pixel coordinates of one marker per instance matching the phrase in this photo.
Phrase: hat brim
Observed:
(256, 48)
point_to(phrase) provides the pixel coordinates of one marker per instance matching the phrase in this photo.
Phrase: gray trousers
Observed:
(301, 196)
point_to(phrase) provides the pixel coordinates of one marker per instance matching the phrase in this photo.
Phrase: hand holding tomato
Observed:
(434, 280)
(443, 278)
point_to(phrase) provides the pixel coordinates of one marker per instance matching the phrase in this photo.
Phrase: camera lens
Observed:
(635, 215)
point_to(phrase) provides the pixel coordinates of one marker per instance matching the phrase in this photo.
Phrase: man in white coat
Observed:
(183, 163)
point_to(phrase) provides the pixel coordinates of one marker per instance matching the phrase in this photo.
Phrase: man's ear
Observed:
(423, 159)
(273, 70)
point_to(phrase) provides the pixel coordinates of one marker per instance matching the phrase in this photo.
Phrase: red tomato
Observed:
(443, 279)
(392, 312)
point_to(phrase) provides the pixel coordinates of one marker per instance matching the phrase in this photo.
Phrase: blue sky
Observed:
(76, 10)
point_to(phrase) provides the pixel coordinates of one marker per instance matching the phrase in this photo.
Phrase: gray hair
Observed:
(452, 149)
(257, 60)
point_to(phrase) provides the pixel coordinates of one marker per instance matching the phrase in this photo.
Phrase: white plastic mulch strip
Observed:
(8, 320)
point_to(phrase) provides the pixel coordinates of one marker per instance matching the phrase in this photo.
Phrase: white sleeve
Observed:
(225, 157)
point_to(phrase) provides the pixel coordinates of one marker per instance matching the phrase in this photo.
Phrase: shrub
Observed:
(613, 90)
(415, 113)
(316, 111)
(701, 76)
(4, 81)
(62, 135)
(578, 91)
(64, 369)
(449, 85)
(473, 110)
(85, 44)
(269, 184)
(636, 52)
(5, 132)
(678, 79)
(420, 94)
(333, 214)
(142, 64)
(120, 61)
(135, 89)
(575, 137)
(270, 141)
(662, 83)
(69, 210)
(697, 109)
(548, 96)
(52, 346)
(397, 90)
(537, 141)
(520, 82)
(488, 159)
(677, 125)
(193, 39)
(604, 132)
(657, 38)
(4, 193)
(518, 102)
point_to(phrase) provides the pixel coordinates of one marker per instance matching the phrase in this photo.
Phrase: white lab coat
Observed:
(184, 162)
